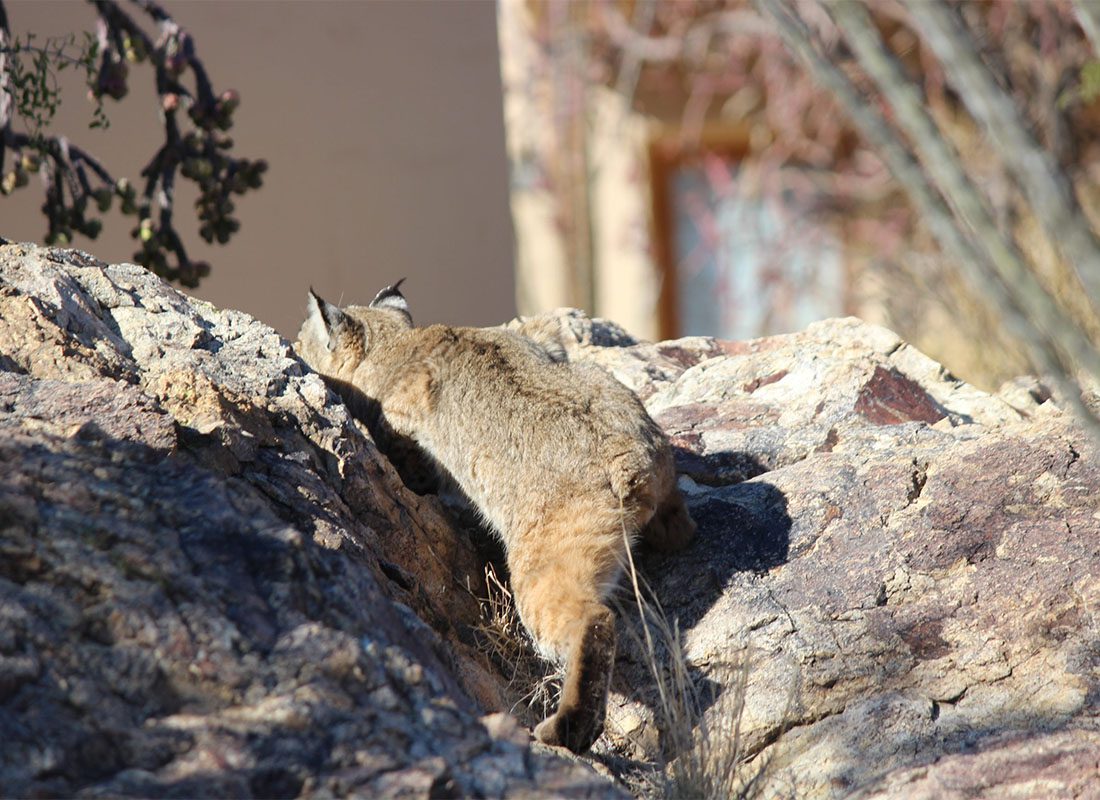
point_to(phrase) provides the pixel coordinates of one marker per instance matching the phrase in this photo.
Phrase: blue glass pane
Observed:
(749, 264)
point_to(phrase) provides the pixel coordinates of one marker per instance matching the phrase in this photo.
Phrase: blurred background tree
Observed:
(77, 187)
(928, 165)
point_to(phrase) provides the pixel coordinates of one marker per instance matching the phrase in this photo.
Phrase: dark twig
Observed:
(196, 144)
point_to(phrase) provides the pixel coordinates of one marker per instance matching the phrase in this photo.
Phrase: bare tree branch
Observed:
(1088, 15)
(934, 213)
(1045, 187)
(195, 121)
(988, 261)
(878, 134)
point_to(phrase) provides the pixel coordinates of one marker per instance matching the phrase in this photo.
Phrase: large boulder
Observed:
(212, 582)
(896, 582)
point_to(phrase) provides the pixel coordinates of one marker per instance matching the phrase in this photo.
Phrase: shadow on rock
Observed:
(717, 469)
(743, 531)
(154, 609)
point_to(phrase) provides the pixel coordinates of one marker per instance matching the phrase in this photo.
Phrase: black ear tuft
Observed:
(391, 299)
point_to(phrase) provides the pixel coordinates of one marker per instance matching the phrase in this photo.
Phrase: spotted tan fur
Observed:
(560, 458)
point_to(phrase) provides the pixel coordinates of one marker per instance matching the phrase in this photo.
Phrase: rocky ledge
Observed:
(212, 583)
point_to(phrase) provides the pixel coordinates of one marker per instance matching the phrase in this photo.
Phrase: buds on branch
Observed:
(77, 187)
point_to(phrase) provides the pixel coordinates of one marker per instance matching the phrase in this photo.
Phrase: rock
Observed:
(911, 568)
(1013, 764)
(211, 582)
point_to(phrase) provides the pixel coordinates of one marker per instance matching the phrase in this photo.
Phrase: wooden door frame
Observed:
(667, 151)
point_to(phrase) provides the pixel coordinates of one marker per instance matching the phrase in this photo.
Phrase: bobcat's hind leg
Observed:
(559, 579)
(579, 719)
(671, 528)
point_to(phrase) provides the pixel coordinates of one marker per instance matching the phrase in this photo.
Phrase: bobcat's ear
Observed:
(391, 299)
(328, 321)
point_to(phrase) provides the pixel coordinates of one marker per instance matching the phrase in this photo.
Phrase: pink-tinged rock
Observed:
(909, 565)
(211, 581)
(889, 398)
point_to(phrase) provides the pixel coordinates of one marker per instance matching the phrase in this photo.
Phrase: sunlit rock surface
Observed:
(212, 582)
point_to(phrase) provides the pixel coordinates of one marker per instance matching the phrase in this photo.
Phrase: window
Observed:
(741, 251)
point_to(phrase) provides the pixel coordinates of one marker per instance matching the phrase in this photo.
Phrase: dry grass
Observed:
(534, 685)
(700, 715)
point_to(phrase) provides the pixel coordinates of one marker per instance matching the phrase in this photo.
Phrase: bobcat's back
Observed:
(521, 432)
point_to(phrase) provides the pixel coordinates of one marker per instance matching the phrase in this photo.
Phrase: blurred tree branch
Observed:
(1045, 187)
(76, 184)
(1054, 333)
(992, 265)
(1088, 15)
(988, 137)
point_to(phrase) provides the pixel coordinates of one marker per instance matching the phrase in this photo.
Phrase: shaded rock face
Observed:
(212, 583)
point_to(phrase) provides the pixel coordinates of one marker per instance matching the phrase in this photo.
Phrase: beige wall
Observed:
(383, 126)
(624, 284)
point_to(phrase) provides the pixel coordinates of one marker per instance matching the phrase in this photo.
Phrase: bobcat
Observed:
(560, 458)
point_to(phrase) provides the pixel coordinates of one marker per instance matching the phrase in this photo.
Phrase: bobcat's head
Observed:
(336, 342)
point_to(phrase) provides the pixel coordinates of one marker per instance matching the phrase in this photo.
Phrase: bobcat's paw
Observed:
(575, 730)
